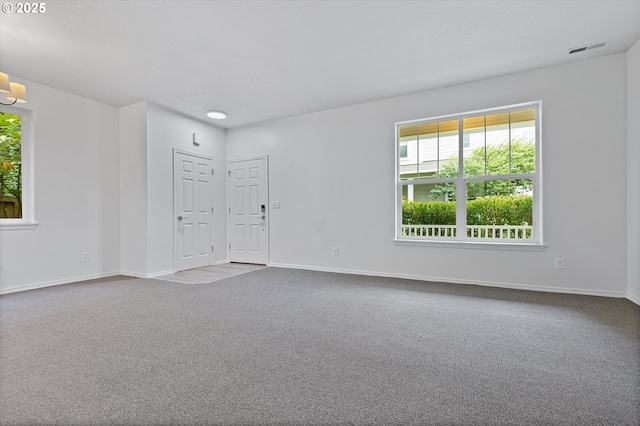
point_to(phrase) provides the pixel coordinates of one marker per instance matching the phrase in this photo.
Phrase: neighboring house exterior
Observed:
(426, 147)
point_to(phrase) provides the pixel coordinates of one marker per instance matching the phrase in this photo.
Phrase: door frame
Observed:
(174, 207)
(267, 221)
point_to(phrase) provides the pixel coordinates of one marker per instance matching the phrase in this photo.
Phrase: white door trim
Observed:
(175, 213)
(268, 215)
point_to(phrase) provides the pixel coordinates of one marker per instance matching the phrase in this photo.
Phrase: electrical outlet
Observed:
(336, 252)
(559, 263)
(85, 257)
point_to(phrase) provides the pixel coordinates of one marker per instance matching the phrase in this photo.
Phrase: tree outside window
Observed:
(10, 166)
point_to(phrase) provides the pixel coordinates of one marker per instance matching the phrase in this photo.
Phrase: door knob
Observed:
(180, 217)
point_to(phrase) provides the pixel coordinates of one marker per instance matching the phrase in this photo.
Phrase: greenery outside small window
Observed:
(471, 177)
(15, 190)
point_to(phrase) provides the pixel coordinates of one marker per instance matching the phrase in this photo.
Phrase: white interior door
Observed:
(248, 211)
(193, 210)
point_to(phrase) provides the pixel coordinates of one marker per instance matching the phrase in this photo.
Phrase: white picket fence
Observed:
(428, 230)
(511, 232)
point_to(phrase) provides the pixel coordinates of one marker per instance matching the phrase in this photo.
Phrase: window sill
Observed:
(7, 226)
(471, 245)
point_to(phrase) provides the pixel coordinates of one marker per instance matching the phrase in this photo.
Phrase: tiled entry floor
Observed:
(208, 274)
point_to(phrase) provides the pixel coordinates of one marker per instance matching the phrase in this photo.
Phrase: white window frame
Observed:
(461, 239)
(26, 142)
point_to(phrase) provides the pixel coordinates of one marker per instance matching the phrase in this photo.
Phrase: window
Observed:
(472, 177)
(15, 167)
(403, 150)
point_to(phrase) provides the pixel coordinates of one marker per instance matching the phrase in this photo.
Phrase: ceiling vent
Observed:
(583, 48)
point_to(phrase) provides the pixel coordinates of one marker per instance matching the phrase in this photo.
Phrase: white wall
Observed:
(633, 173)
(133, 189)
(333, 173)
(76, 195)
(167, 130)
(103, 174)
(103, 185)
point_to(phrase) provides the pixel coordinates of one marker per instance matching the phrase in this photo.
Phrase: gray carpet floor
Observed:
(289, 347)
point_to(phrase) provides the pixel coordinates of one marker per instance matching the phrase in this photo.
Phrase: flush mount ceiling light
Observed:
(218, 115)
(14, 92)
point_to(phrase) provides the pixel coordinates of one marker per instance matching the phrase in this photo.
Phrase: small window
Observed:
(471, 177)
(15, 185)
(403, 150)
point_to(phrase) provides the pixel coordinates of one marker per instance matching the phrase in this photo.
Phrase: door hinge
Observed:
(211, 248)
(229, 246)
(213, 172)
(211, 209)
(229, 173)
(229, 210)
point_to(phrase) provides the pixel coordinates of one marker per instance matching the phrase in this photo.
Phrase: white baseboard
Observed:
(159, 274)
(132, 274)
(58, 282)
(456, 281)
(634, 299)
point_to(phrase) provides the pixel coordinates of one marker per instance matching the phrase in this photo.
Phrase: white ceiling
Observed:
(259, 60)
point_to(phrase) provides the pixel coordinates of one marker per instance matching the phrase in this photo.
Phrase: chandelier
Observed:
(13, 92)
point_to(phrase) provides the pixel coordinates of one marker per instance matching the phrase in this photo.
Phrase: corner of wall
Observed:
(633, 173)
(133, 187)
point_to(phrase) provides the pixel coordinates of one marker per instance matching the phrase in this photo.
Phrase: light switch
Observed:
(275, 205)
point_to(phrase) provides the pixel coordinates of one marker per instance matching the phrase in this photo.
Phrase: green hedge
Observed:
(497, 210)
(428, 212)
